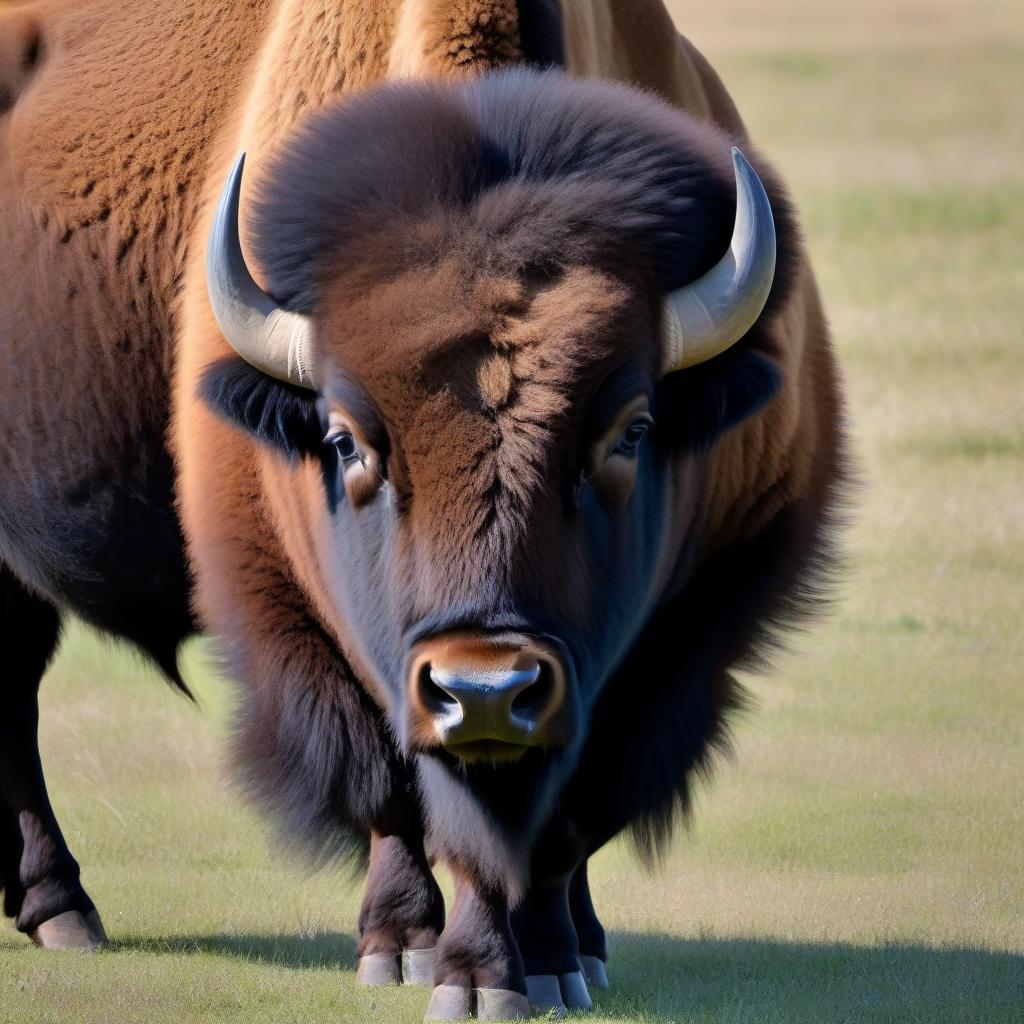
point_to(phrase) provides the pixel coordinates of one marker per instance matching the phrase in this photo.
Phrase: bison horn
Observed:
(706, 317)
(274, 340)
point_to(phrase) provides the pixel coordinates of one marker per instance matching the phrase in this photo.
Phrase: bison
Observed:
(485, 413)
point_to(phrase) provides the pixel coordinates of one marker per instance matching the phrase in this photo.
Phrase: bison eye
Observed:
(344, 443)
(358, 461)
(629, 440)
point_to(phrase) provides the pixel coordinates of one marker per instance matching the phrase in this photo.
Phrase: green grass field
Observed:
(862, 859)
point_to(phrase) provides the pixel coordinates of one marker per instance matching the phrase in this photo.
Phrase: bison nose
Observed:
(487, 698)
(496, 701)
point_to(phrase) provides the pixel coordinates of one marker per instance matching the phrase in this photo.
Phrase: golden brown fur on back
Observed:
(449, 37)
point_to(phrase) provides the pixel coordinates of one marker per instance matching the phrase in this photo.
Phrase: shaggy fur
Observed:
(564, 172)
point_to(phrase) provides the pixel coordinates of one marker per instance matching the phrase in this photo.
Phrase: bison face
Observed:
(495, 496)
(505, 490)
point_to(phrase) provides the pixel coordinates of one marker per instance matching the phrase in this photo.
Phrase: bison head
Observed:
(504, 323)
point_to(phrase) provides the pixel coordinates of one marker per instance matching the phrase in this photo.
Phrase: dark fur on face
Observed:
(277, 414)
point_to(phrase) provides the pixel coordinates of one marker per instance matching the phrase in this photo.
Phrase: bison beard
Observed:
(533, 176)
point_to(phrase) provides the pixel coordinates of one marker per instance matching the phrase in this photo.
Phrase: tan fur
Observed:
(451, 37)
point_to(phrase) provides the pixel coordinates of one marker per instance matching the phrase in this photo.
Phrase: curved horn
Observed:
(704, 318)
(268, 337)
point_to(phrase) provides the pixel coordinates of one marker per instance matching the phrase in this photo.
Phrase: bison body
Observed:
(482, 562)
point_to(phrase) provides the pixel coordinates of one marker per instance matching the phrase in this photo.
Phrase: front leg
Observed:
(589, 930)
(546, 935)
(38, 874)
(479, 970)
(544, 925)
(402, 913)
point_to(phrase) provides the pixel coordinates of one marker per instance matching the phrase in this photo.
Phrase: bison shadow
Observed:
(660, 979)
(298, 952)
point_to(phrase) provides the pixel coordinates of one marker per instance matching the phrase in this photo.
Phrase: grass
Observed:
(862, 858)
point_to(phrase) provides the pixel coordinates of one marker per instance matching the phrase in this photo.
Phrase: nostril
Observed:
(531, 702)
(434, 698)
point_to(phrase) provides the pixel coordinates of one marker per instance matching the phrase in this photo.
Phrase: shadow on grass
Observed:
(658, 979)
(299, 952)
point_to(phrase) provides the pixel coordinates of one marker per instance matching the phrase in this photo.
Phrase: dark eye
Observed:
(344, 443)
(631, 437)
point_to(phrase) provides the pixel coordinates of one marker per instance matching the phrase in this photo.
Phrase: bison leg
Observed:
(40, 877)
(544, 926)
(547, 941)
(478, 969)
(402, 913)
(589, 931)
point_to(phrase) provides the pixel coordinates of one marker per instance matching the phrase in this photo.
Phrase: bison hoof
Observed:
(380, 969)
(70, 930)
(594, 971)
(453, 1002)
(418, 966)
(558, 992)
(413, 966)
(449, 1002)
(500, 1004)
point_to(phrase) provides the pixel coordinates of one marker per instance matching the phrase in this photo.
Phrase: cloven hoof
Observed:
(594, 971)
(557, 993)
(70, 930)
(412, 966)
(452, 1002)
(418, 966)
(380, 969)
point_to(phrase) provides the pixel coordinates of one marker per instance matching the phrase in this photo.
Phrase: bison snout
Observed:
(488, 697)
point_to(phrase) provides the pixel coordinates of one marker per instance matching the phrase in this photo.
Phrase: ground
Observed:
(861, 857)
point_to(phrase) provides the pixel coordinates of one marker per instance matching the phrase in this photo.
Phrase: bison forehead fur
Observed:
(515, 171)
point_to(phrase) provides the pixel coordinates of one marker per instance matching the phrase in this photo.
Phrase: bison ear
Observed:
(274, 412)
(697, 405)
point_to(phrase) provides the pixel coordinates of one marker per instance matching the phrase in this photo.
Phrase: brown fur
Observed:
(454, 37)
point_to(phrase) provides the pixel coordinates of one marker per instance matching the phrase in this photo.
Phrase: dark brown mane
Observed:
(559, 172)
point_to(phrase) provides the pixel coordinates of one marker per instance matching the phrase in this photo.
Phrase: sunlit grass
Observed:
(862, 857)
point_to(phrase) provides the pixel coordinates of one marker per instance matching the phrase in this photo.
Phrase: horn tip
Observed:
(740, 163)
(236, 168)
